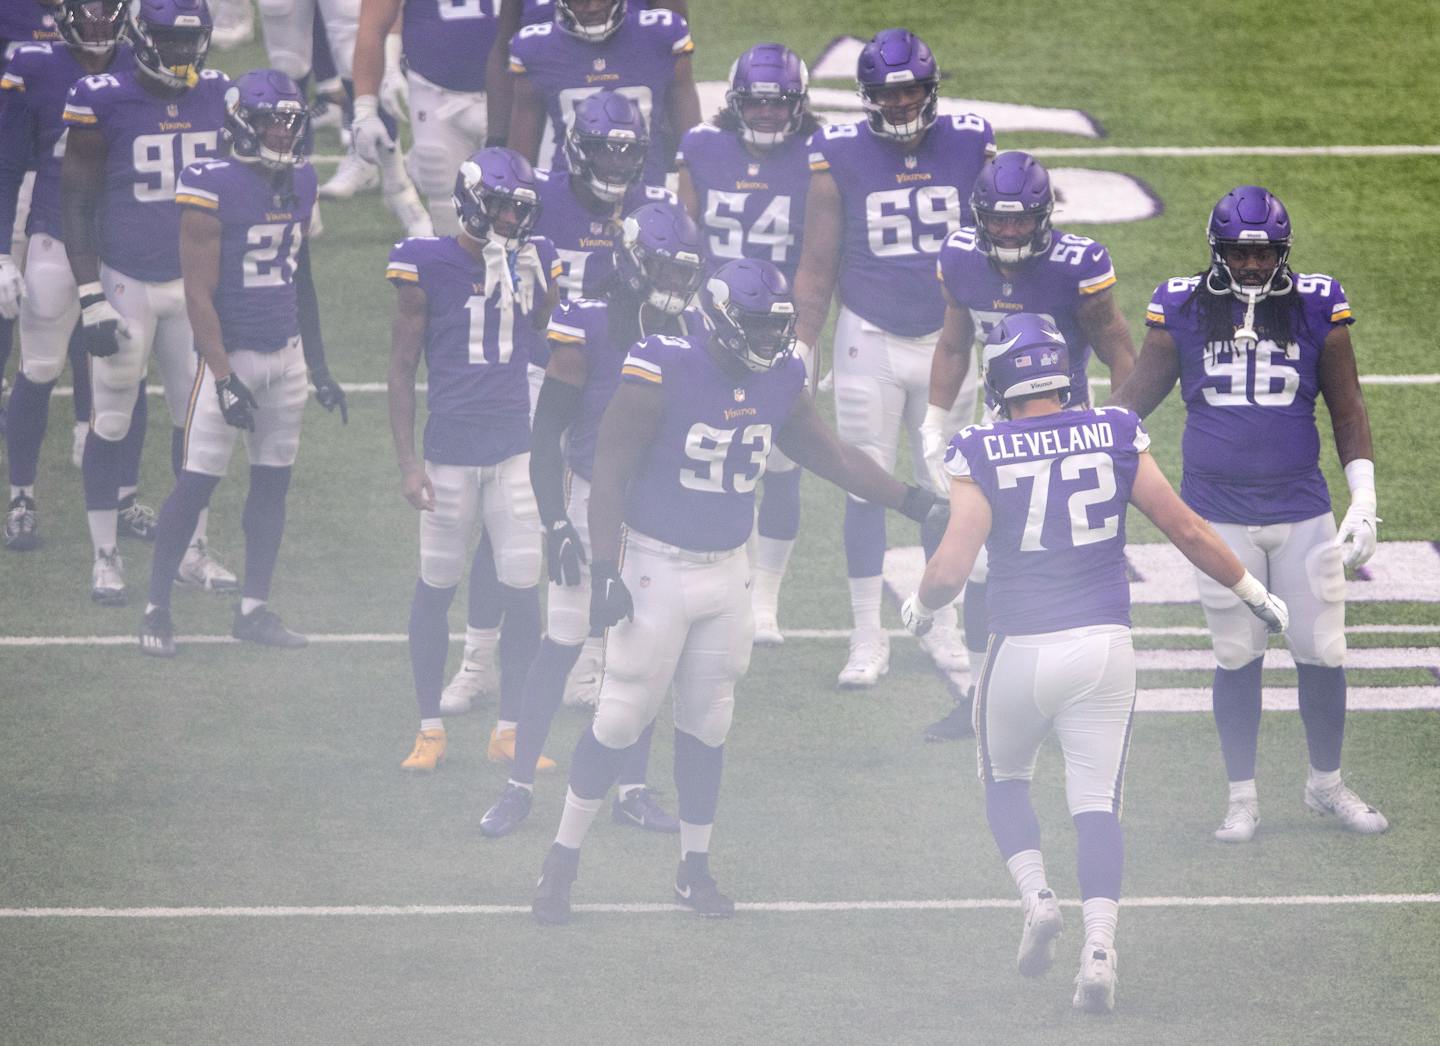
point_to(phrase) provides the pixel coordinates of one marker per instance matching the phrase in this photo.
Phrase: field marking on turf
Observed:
(782, 907)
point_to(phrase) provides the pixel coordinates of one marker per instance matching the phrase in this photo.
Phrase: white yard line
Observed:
(782, 907)
(1184, 151)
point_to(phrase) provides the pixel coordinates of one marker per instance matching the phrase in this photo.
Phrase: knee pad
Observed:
(1233, 649)
(433, 169)
(858, 415)
(709, 725)
(517, 561)
(41, 369)
(1323, 642)
(567, 613)
(111, 423)
(622, 715)
(1234, 637)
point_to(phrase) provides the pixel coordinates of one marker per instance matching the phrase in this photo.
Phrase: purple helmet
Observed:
(171, 39)
(749, 304)
(661, 255)
(1013, 185)
(92, 26)
(601, 29)
(1248, 216)
(606, 144)
(773, 76)
(495, 186)
(265, 120)
(895, 58)
(1025, 354)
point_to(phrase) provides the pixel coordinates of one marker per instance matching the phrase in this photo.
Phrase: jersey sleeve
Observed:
(404, 264)
(819, 148)
(1096, 271)
(523, 45)
(1155, 314)
(199, 186)
(549, 258)
(645, 363)
(957, 462)
(692, 145)
(675, 30)
(18, 131)
(1324, 299)
(576, 322)
(949, 264)
(1130, 429)
(85, 101)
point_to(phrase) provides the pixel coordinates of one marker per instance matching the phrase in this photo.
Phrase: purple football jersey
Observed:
(534, 11)
(585, 239)
(447, 41)
(149, 140)
(1052, 284)
(476, 352)
(696, 485)
(638, 61)
(603, 332)
(750, 206)
(1251, 451)
(897, 209)
(261, 230)
(1058, 487)
(25, 22)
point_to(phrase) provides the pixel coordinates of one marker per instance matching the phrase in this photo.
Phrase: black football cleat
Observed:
(695, 889)
(509, 810)
(135, 520)
(262, 625)
(157, 633)
(957, 724)
(551, 904)
(640, 810)
(22, 525)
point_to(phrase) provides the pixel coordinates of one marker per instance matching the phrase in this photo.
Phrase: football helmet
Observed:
(605, 23)
(1013, 185)
(1025, 354)
(171, 39)
(661, 255)
(1248, 216)
(265, 120)
(606, 144)
(896, 58)
(92, 26)
(496, 197)
(774, 83)
(749, 305)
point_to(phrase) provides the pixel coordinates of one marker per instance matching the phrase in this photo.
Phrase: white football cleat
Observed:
(869, 659)
(767, 627)
(77, 443)
(1095, 983)
(1354, 813)
(201, 568)
(945, 644)
(233, 25)
(107, 579)
(582, 686)
(1042, 928)
(405, 203)
(477, 679)
(1241, 820)
(352, 175)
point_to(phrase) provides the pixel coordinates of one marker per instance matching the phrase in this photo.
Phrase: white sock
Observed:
(865, 601)
(433, 724)
(1027, 868)
(1324, 780)
(248, 605)
(104, 525)
(482, 641)
(149, 607)
(126, 492)
(1101, 916)
(772, 555)
(765, 588)
(576, 819)
(1244, 791)
(522, 784)
(202, 526)
(694, 838)
(627, 790)
(16, 492)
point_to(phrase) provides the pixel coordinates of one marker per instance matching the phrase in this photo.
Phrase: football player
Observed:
(252, 305)
(1046, 490)
(681, 447)
(659, 265)
(744, 176)
(471, 305)
(884, 195)
(129, 134)
(34, 87)
(1014, 261)
(1253, 345)
(593, 44)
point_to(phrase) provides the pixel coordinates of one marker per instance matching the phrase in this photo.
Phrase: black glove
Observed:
(609, 598)
(100, 324)
(918, 503)
(329, 394)
(236, 402)
(564, 552)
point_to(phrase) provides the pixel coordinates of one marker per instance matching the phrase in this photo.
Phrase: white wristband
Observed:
(366, 105)
(87, 289)
(1249, 589)
(392, 51)
(935, 417)
(1360, 475)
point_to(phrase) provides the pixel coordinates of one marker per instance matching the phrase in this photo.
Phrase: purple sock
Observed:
(100, 473)
(636, 763)
(25, 428)
(264, 523)
(1322, 710)
(1236, 700)
(593, 767)
(7, 340)
(429, 643)
(780, 507)
(864, 538)
(177, 450)
(519, 640)
(975, 611)
(80, 375)
(484, 609)
(132, 447)
(1100, 854)
(697, 777)
(544, 690)
(174, 528)
(1011, 817)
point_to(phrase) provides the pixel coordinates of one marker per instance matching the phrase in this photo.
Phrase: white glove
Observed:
(530, 282)
(806, 355)
(1357, 529)
(933, 442)
(1264, 604)
(12, 287)
(916, 616)
(394, 88)
(367, 130)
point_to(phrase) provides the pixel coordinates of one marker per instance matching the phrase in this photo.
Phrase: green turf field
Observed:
(221, 849)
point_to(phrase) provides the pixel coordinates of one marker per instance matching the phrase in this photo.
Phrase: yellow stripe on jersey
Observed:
(1339, 314)
(71, 116)
(820, 165)
(1153, 317)
(12, 83)
(557, 269)
(1105, 284)
(402, 274)
(632, 371)
(185, 199)
(684, 46)
(517, 67)
(565, 339)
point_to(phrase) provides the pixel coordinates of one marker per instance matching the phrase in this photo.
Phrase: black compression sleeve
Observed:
(311, 340)
(557, 407)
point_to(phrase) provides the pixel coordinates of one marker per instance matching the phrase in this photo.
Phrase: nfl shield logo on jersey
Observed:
(599, 65)
(753, 170)
(911, 161)
(172, 110)
(739, 395)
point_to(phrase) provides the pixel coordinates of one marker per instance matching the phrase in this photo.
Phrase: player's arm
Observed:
(626, 431)
(948, 368)
(82, 181)
(1153, 495)
(328, 392)
(683, 99)
(1340, 385)
(555, 411)
(1109, 335)
(499, 81)
(200, 268)
(407, 348)
(376, 19)
(17, 140)
(689, 198)
(953, 560)
(527, 116)
(1154, 375)
(819, 258)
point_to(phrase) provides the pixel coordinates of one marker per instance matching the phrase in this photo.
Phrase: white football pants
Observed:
(49, 311)
(289, 28)
(499, 496)
(277, 380)
(447, 126)
(155, 314)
